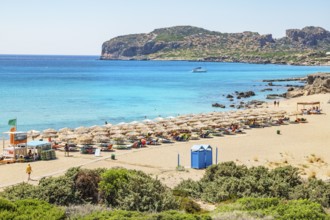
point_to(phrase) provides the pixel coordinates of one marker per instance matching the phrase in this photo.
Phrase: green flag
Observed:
(12, 122)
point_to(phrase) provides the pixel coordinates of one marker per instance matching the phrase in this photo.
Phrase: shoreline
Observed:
(203, 61)
(260, 146)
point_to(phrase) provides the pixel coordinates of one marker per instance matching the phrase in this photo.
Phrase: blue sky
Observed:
(79, 27)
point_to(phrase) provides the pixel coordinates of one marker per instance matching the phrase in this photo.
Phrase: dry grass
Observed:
(328, 173)
(311, 174)
(313, 159)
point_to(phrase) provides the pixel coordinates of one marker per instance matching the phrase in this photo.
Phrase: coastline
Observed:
(296, 145)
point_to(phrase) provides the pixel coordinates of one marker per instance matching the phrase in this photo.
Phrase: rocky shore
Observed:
(317, 83)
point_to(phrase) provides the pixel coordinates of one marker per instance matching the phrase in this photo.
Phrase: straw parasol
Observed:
(33, 133)
(67, 138)
(101, 139)
(49, 130)
(81, 130)
(85, 139)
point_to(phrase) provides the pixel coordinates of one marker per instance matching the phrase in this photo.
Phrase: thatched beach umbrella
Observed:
(50, 130)
(81, 130)
(117, 136)
(65, 130)
(101, 139)
(49, 135)
(68, 138)
(85, 139)
(33, 133)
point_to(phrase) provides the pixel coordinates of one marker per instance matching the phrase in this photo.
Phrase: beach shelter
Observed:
(42, 150)
(201, 156)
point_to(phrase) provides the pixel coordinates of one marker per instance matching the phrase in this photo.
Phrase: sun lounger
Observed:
(123, 147)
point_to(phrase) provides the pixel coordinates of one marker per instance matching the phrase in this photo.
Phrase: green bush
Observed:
(132, 215)
(21, 191)
(228, 181)
(297, 209)
(227, 169)
(258, 203)
(111, 181)
(278, 209)
(189, 205)
(86, 184)
(188, 188)
(285, 179)
(7, 205)
(29, 209)
(143, 193)
(313, 190)
(58, 190)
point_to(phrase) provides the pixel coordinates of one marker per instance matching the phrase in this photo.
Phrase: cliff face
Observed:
(306, 46)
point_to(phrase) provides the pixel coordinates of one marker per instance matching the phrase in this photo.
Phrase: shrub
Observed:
(188, 188)
(6, 205)
(282, 210)
(228, 181)
(227, 169)
(111, 181)
(143, 193)
(86, 184)
(313, 190)
(131, 215)
(59, 191)
(189, 205)
(285, 179)
(29, 209)
(297, 209)
(35, 209)
(21, 191)
(258, 203)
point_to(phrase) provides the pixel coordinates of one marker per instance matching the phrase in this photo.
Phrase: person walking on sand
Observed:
(66, 150)
(28, 171)
(278, 103)
(274, 103)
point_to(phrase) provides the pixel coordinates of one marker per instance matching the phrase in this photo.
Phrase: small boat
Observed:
(199, 70)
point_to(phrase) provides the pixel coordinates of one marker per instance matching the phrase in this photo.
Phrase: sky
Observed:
(79, 27)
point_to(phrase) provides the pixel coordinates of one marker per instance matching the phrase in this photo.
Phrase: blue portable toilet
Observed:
(201, 156)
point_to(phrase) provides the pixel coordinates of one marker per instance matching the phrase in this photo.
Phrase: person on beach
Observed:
(66, 150)
(28, 171)
(278, 103)
(274, 103)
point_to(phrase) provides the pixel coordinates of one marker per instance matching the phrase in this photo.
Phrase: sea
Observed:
(70, 91)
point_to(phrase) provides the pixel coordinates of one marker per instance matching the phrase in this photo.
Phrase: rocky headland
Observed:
(317, 83)
(307, 46)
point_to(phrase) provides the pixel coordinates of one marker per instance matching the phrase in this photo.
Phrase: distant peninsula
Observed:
(307, 46)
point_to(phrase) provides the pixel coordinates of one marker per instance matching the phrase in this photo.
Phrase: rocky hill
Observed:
(307, 46)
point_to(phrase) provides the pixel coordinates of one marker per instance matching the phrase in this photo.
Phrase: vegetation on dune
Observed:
(271, 208)
(29, 209)
(228, 181)
(240, 192)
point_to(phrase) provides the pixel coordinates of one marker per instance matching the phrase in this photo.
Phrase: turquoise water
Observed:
(73, 91)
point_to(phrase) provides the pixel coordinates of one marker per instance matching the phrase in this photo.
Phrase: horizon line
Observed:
(13, 54)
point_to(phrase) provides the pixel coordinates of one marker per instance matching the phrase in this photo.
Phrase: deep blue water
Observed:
(73, 91)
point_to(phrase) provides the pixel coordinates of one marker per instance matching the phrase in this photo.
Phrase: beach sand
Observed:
(306, 146)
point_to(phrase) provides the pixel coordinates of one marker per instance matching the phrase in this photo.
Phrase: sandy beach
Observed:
(304, 145)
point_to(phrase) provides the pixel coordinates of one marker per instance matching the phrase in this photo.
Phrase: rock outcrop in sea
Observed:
(308, 46)
(315, 84)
